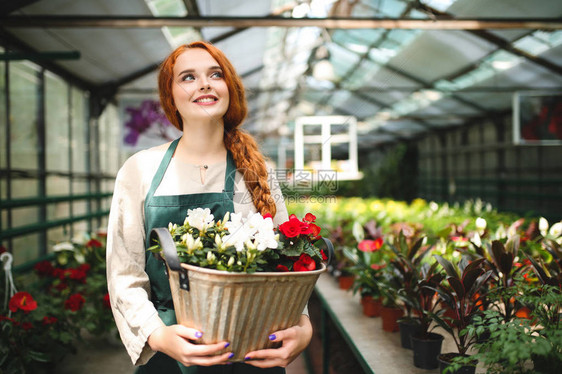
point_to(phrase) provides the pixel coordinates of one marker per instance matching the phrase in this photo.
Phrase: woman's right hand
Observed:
(175, 341)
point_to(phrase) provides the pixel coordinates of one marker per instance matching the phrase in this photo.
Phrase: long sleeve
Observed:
(128, 283)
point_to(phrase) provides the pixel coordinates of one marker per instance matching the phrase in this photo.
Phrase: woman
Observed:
(213, 165)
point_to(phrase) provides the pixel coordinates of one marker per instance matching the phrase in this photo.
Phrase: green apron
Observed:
(158, 212)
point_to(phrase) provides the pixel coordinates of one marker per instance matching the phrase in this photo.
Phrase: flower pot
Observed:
(241, 308)
(346, 281)
(390, 317)
(408, 327)
(426, 349)
(445, 361)
(371, 306)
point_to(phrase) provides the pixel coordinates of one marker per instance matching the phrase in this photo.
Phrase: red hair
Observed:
(245, 151)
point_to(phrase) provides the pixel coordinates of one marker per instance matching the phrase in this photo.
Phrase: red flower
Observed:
(309, 217)
(3, 249)
(106, 301)
(267, 215)
(94, 243)
(23, 301)
(304, 263)
(84, 267)
(370, 245)
(77, 275)
(49, 320)
(74, 302)
(44, 268)
(314, 231)
(27, 326)
(293, 227)
(324, 257)
(377, 266)
(4, 318)
(281, 268)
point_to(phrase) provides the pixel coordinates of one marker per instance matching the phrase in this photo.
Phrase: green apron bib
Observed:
(158, 212)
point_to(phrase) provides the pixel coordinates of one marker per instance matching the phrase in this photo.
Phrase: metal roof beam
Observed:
(439, 23)
(496, 40)
(8, 7)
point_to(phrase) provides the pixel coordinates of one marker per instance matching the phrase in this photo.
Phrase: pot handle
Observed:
(331, 251)
(170, 254)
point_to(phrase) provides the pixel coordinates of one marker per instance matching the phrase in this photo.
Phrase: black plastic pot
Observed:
(408, 327)
(426, 349)
(445, 362)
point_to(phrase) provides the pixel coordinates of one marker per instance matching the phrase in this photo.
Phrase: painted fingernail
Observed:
(272, 337)
(231, 355)
(247, 358)
(198, 334)
(226, 345)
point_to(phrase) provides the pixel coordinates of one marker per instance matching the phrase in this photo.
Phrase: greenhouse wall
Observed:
(481, 161)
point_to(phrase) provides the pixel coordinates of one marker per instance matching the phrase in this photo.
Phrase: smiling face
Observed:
(199, 89)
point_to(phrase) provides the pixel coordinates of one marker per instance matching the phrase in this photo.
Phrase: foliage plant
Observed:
(247, 244)
(461, 294)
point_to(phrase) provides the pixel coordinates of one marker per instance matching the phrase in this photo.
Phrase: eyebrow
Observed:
(216, 67)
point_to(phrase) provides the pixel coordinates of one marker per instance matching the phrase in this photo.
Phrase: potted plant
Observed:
(408, 264)
(391, 310)
(240, 258)
(462, 293)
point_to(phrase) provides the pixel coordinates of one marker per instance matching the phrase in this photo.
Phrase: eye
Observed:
(217, 74)
(188, 77)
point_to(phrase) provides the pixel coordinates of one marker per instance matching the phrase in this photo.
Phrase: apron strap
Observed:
(229, 175)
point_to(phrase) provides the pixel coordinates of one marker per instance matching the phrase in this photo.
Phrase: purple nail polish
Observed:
(226, 345)
(272, 337)
(231, 355)
(198, 334)
(247, 358)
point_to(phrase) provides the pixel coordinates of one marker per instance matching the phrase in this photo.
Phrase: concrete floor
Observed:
(108, 356)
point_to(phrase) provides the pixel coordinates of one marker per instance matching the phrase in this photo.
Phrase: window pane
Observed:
(27, 249)
(22, 188)
(79, 131)
(24, 96)
(56, 112)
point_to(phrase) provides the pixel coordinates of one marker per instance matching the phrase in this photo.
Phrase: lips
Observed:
(206, 99)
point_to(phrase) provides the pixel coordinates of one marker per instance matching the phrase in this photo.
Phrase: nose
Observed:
(204, 85)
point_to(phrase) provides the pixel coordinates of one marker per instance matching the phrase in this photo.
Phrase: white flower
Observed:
(358, 232)
(64, 246)
(477, 240)
(231, 261)
(556, 230)
(211, 257)
(200, 218)
(191, 243)
(480, 225)
(543, 226)
(500, 232)
(237, 236)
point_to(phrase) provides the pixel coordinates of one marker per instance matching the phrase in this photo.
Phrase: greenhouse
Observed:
(299, 186)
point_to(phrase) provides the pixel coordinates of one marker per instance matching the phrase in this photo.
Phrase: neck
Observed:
(202, 144)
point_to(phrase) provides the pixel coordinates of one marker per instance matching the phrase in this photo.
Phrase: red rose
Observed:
(74, 302)
(49, 320)
(106, 301)
(304, 263)
(44, 268)
(27, 326)
(309, 217)
(370, 245)
(94, 243)
(281, 268)
(292, 228)
(23, 301)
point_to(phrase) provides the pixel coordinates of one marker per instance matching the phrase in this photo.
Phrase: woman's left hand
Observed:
(293, 341)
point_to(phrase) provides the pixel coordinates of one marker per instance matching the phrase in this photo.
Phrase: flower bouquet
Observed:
(240, 279)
